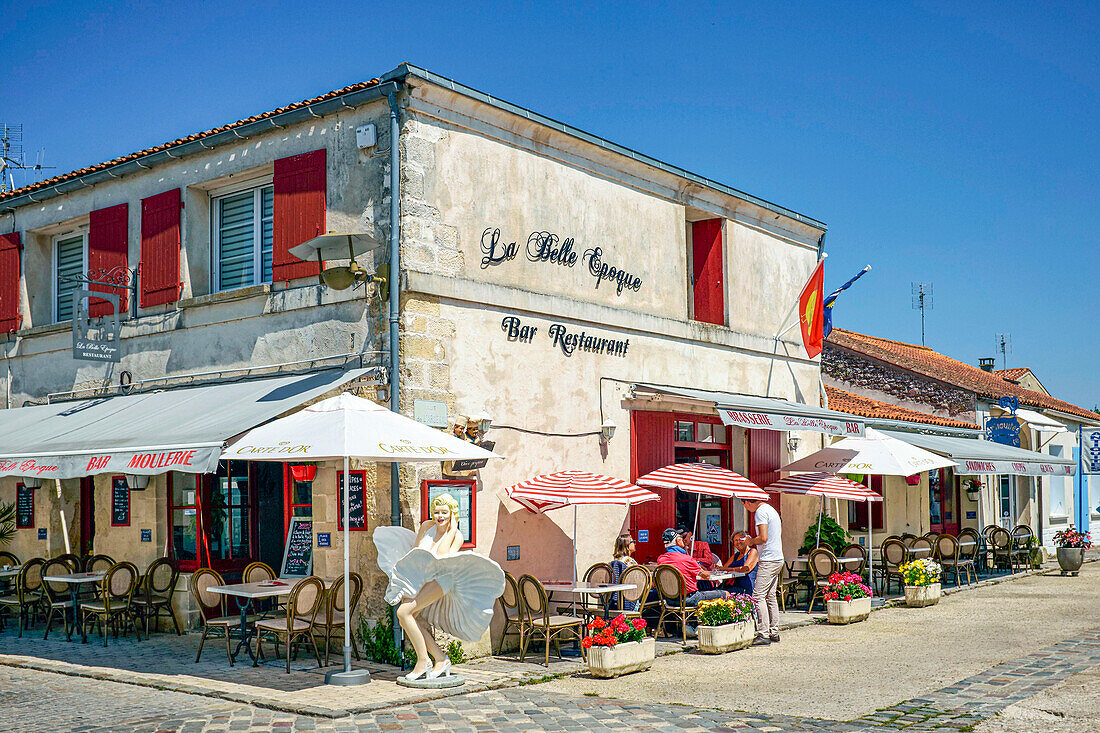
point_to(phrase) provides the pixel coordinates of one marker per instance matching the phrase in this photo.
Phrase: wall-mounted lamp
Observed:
(336, 245)
(137, 482)
(793, 441)
(31, 482)
(484, 422)
(607, 430)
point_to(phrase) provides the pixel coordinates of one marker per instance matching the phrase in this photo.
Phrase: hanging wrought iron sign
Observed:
(98, 339)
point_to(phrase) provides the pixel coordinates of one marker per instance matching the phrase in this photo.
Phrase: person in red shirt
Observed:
(678, 557)
(699, 550)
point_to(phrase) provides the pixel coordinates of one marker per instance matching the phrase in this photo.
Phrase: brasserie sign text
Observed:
(566, 340)
(551, 249)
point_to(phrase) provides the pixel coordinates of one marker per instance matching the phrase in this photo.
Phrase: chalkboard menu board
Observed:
(298, 554)
(24, 506)
(120, 502)
(358, 518)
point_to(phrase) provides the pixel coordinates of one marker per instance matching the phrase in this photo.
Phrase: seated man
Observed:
(743, 560)
(699, 550)
(678, 557)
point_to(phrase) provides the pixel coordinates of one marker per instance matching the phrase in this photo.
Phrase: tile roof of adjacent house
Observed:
(1012, 374)
(925, 361)
(855, 404)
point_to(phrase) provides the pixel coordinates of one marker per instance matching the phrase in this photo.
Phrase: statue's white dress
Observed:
(471, 583)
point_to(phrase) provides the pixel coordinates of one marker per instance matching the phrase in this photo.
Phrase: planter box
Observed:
(1070, 559)
(725, 638)
(612, 661)
(848, 612)
(918, 596)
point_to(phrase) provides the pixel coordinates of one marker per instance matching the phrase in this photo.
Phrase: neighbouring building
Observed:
(1015, 438)
(607, 311)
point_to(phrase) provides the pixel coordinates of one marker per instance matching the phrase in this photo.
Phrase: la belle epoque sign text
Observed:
(549, 248)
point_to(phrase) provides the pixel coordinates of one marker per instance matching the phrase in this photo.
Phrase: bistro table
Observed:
(75, 580)
(803, 561)
(595, 589)
(250, 592)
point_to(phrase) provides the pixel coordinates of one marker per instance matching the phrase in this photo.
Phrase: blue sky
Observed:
(955, 143)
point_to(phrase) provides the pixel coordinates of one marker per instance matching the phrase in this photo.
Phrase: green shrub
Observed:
(376, 641)
(833, 536)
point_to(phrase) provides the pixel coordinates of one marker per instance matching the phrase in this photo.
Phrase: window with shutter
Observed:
(300, 183)
(160, 249)
(108, 256)
(707, 272)
(70, 254)
(10, 318)
(243, 228)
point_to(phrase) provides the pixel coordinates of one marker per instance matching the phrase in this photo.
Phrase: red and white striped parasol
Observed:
(703, 478)
(571, 488)
(825, 485)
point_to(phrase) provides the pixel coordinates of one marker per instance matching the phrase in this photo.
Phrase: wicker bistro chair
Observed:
(1021, 545)
(76, 565)
(787, 587)
(27, 594)
(302, 606)
(113, 605)
(855, 550)
(257, 572)
(154, 594)
(56, 597)
(822, 564)
(511, 611)
(6, 558)
(970, 553)
(96, 563)
(212, 609)
(633, 603)
(1000, 547)
(907, 538)
(921, 548)
(950, 558)
(536, 607)
(330, 619)
(672, 591)
(894, 554)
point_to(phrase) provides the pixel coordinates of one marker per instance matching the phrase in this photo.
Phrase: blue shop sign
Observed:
(324, 539)
(1003, 430)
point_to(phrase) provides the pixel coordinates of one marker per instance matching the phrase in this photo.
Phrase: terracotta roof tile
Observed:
(1013, 374)
(865, 407)
(923, 360)
(190, 138)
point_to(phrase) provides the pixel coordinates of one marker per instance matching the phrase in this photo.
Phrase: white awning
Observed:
(769, 413)
(1039, 421)
(180, 429)
(983, 456)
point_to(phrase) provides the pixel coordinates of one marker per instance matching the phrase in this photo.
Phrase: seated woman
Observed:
(624, 551)
(743, 560)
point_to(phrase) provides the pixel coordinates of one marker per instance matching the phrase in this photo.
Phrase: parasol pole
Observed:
(695, 529)
(347, 564)
(574, 546)
(819, 521)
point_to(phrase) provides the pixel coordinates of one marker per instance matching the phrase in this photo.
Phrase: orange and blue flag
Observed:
(831, 300)
(811, 317)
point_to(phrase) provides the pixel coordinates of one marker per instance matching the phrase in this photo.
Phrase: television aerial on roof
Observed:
(11, 157)
(1004, 345)
(922, 301)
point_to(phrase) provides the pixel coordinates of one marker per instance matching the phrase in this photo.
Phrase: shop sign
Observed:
(95, 340)
(512, 552)
(767, 421)
(560, 336)
(1003, 430)
(549, 248)
(145, 463)
(324, 539)
(1090, 449)
(463, 491)
(430, 412)
(1018, 468)
(298, 551)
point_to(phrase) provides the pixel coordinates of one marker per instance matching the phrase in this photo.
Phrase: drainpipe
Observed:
(395, 287)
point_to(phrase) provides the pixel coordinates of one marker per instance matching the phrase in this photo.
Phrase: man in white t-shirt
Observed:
(769, 542)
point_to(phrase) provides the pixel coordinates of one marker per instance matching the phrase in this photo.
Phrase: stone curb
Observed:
(141, 680)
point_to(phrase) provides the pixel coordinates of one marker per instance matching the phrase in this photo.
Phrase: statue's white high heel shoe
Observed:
(442, 670)
(424, 673)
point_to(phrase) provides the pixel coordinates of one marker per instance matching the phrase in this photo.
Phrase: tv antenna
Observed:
(922, 301)
(11, 157)
(1004, 345)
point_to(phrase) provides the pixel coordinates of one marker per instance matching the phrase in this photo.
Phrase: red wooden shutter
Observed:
(652, 436)
(299, 183)
(764, 465)
(10, 319)
(107, 249)
(160, 249)
(707, 271)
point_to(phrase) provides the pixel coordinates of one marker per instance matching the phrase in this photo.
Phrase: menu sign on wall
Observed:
(356, 499)
(298, 553)
(24, 506)
(120, 502)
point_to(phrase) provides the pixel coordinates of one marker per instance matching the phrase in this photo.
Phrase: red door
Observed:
(707, 271)
(87, 515)
(764, 466)
(651, 446)
(943, 501)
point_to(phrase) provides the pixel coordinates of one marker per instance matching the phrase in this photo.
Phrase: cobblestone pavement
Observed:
(33, 700)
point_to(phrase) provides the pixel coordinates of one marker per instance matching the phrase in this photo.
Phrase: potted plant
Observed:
(847, 599)
(618, 646)
(973, 489)
(1071, 546)
(832, 536)
(922, 582)
(725, 624)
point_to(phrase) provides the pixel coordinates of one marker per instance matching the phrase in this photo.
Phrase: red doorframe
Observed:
(764, 461)
(87, 515)
(946, 492)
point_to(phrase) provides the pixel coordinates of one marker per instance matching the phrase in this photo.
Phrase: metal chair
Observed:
(330, 621)
(536, 607)
(112, 607)
(28, 593)
(257, 572)
(894, 554)
(822, 564)
(1021, 545)
(6, 558)
(97, 563)
(787, 586)
(947, 552)
(154, 595)
(302, 606)
(970, 548)
(672, 591)
(76, 565)
(637, 598)
(511, 611)
(855, 550)
(921, 548)
(211, 603)
(907, 538)
(1001, 548)
(56, 597)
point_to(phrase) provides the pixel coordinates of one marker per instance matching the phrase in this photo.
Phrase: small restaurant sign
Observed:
(1003, 430)
(566, 340)
(829, 426)
(95, 340)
